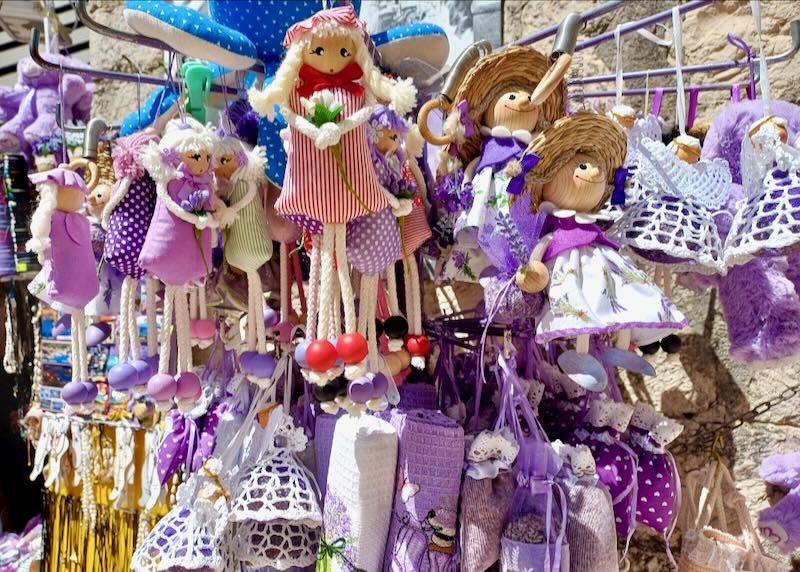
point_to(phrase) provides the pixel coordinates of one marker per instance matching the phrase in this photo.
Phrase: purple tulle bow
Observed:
(517, 183)
(462, 108)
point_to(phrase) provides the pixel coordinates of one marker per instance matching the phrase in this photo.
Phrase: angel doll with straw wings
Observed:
(326, 88)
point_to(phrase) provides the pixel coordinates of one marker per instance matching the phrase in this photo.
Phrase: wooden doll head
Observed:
(97, 200)
(186, 141)
(686, 148)
(624, 115)
(513, 110)
(330, 54)
(496, 92)
(387, 129)
(578, 157)
(329, 42)
(581, 184)
(778, 123)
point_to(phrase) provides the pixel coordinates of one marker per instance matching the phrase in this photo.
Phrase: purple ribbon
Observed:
(736, 93)
(188, 441)
(694, 93)
(738, 42)
(517, 183)
(658, 96)
(618, 196)
(463, 116)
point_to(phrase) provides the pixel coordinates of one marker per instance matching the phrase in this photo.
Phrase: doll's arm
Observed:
(533, 277)
(118, 193)
(355, 120)
(228, 214)
(300, 123)
(469, 172)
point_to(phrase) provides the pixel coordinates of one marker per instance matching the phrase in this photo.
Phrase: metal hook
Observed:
(91, 138)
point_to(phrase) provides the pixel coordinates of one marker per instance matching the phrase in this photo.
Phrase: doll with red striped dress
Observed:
(325, 89)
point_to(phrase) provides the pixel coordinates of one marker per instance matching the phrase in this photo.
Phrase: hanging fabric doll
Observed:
(493, 119)
(593, 290)
(126, 218)
(248, 246)
(401, 176)
(68, 279)
(177, 247)
(325, 88)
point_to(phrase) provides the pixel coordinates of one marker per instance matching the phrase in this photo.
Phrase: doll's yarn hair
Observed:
(42, 217)
(385, 118)
(186, 135)
(583, 132)
(244, 121)
(401, 94)
(510, 69)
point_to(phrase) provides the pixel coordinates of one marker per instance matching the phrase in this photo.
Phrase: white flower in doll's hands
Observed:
(324, 99)
(403, 207)
(329, 135)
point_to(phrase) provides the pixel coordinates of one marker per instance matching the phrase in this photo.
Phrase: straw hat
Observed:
(517, 67)
(582, 132)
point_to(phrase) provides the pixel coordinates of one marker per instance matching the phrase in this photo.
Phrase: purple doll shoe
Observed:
(258, 367)
(97, 333)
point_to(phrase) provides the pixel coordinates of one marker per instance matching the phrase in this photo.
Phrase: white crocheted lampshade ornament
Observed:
(189, 536)
(768, 217)
(673, 223)
(607, 413)
(361, 485)
(275, 508)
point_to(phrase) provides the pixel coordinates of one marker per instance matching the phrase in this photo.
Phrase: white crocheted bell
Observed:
(275, 508)
(188, 537)
(767, 220)
(673, 223)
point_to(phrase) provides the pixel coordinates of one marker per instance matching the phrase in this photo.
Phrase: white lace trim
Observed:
(607, 413)
(504, 133)
(553, 210)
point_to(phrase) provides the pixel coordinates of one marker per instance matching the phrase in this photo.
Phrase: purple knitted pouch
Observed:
(422, 533)
(417, 396)
(324, 426)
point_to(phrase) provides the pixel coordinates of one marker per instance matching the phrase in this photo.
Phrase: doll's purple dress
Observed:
(68, 276)
(171, 251)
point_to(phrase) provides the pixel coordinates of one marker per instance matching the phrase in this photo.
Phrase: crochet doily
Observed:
(768, 218)
(663, 429)
(607, 413)
(674, 217)
(188, 537)
(278, 544)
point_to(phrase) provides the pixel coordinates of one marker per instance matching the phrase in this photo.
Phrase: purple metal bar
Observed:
(643, 91)
(643, 23)
(585, 17)
(33, 48)
(794, 28)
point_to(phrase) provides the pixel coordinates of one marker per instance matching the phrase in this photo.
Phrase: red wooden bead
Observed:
(321, 355)
(352, 348)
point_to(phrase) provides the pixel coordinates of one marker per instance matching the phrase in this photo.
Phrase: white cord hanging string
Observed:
(763, 78)
(680, 105)
(124, 329)
(618, 42)
(133, 326)
(313, 287)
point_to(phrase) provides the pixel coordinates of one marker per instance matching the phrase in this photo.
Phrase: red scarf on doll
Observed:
(314, 80)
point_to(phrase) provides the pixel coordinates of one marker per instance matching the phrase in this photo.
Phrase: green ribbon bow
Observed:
(329, 550)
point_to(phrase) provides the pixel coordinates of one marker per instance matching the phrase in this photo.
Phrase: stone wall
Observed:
(701, 384)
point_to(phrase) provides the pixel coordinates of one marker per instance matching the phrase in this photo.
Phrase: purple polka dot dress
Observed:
(373, 242)
(127, 227)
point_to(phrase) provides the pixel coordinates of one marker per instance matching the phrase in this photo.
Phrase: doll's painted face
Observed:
(226, 165)
(579, 185)
(513, 110)
(388, 141)
(330, 54)
(98, 198)
(198, 162)
(69, 199)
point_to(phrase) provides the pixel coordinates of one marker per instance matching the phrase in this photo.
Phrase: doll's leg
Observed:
(257, 296)
(582, 344)
(133, 326)
(182, 320)
(391, 291)
(124, 328)
(298, 275)
(151, 309)
(193, 311)
(313, 287)
(348, 296)
(336, 310)
(326, 280)
(166, 322)
(286, 286)
(202, 303)
(624, 339)
(414, 313)
(251, 314)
